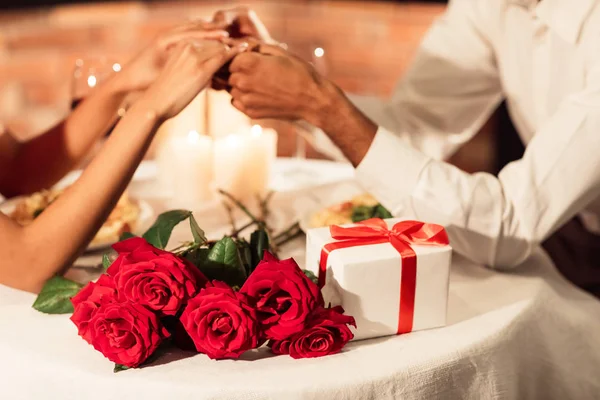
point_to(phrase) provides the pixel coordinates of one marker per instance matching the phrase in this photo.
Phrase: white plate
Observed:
(144, 221)
(290, 174)
(319, 198)
(146, 171)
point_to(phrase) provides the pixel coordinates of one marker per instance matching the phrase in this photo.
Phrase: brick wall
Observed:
(367, 47)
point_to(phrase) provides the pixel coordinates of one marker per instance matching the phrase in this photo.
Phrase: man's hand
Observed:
(241, 23)
(272, 83)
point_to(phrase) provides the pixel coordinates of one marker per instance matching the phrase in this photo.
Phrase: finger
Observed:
(239, 105)
(266, 113)
(218, 60)
(237, 94)
(175, 54)
(215, 25)
(254, 100)
(250, 43)
(200, 34)
(207, 48)
(272, 50)
(220, 84)
(222, 17)
(240, 81)
(244, 62)
(170, 40)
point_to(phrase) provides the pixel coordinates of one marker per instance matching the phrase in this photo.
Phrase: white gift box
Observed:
(366, 280)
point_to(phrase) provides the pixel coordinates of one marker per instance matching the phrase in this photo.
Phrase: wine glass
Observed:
(88, 73)
(303, 130)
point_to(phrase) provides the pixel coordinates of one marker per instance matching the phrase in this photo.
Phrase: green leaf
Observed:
(224, 252)
(159, 233)
(55, 297)
(106, 261)
(223, 263)
(119, 368)
(197, 256)
(245, 255)
(125, 236)
(259, 242)
(361, 213)
(197, 232)
(382, 212)
(311, 276)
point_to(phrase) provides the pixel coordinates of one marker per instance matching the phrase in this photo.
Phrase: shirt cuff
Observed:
(391, 169)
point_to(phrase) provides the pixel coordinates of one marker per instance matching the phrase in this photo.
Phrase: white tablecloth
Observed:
(528, 334)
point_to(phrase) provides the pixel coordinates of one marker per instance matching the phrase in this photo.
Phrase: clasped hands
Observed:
(266, 81)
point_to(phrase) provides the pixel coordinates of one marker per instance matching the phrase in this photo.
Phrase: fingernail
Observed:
(243, 46)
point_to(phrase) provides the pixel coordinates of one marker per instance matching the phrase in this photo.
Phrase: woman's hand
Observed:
(140, 72)
(189, 70)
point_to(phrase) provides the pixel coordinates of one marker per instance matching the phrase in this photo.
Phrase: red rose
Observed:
(89, 299)
(154, 278)
(126, 333)
(283, 296)
(327, 332)
(220, 322)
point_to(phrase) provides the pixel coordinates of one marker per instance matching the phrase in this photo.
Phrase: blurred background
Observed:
(363, 46)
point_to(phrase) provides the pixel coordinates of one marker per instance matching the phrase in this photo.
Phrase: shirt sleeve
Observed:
(497, 221)
(450, 90)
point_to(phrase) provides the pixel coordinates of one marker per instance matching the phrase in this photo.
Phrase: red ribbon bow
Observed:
(401, 236)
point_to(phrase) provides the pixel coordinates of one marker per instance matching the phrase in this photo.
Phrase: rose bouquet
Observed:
(218, 298)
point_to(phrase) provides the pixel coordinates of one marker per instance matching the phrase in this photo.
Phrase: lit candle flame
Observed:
(91, 81)
(256, 130)
(319, 52)
(193, 137)
(116, 67)
(233, 139)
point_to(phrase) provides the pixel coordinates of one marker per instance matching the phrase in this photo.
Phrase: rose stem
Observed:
(289, 238)
(265, 211)
(243, 208)
(288, 234)
(243, 228)
(183, 245)
(231, 219)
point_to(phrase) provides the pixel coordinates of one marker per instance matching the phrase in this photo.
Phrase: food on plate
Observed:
(359, 208)
(122, 219)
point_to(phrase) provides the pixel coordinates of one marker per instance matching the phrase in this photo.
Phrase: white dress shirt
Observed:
(544, 59)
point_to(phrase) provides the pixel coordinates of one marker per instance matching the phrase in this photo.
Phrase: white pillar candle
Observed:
(243, 163)
(223, 118)
(185, 165)
(191, 118)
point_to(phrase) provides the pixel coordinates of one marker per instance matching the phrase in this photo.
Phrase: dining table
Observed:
(526, 333)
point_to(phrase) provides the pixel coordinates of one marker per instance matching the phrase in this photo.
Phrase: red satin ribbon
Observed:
(401, 236)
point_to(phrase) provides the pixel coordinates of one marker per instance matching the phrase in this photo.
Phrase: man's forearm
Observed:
(351, 130)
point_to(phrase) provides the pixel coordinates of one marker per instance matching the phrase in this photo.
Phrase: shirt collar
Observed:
(565, 17)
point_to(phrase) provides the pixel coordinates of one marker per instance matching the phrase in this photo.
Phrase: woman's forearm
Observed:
(31, 255)
(61, 233)
(40, 162)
